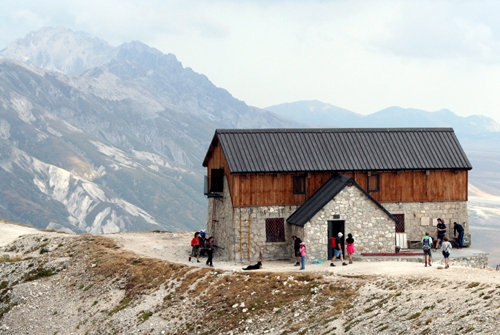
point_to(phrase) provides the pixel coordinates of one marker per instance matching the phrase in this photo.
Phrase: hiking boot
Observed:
(350, 262)
(425, 264)
(331, 264)
(430, 264)
(447, 266)
(344, 263)
(190, 258)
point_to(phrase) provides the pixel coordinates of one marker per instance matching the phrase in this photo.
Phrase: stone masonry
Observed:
(422, 216)
(241, 232)
(371, 227)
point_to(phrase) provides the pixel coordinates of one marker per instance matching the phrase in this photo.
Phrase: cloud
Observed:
(359, 55)
(441, 30)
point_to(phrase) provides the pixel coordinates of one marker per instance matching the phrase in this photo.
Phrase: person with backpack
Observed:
(336, 243)
(446, 246)
(195, 247)
(427, 246)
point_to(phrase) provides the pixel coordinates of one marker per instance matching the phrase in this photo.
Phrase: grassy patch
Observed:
(472, 285)
(88, 287)
(145, 316)
(8, 259)
(414, 316)
(39, 273)
(124, 304)
(4, 284)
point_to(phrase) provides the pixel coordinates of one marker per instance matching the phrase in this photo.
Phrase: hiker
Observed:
(458, 228)
(446, 252)
(203, 239)
(441, 232)
(296, 248)
(349, 246)
(302, 251)
(195, 247)
(336, 243)
(426, 246)
(209, 245)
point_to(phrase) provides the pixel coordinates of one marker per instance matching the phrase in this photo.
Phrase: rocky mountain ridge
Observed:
(106, 139)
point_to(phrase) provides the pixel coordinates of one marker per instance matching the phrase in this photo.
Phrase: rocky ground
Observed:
(142, 283)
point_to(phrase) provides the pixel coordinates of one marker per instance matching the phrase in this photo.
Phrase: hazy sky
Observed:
(363, 56)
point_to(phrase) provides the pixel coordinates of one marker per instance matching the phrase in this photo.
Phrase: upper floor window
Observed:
(299, 185)
(373, 182)
(217, 180)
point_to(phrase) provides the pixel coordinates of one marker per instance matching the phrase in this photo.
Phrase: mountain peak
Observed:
(60, 49)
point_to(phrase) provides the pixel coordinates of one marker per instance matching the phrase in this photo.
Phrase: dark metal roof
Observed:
(339, 149)
(326, 193)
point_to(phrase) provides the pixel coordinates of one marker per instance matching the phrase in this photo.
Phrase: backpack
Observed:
(333, 242)
(426, 243)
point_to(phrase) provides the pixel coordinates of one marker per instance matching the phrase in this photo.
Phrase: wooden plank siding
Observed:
(271, 189)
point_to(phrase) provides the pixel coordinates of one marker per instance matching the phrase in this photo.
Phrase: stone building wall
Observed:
(422, 216)
(222, 230)
(254, 218)
(241, 232)
(372, 228)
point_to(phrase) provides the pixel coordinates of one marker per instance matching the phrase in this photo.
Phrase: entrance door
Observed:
(334, 228)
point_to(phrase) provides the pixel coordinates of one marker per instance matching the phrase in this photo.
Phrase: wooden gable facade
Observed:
(286, 167)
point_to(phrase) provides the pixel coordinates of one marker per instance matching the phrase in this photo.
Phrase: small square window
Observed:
(275, 230)
(299, 185)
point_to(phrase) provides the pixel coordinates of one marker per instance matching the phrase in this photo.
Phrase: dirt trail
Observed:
(174, 247)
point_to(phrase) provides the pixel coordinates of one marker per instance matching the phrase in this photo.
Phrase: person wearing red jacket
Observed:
(195, 247)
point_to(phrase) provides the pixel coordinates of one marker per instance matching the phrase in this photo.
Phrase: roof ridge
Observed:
(336, 130)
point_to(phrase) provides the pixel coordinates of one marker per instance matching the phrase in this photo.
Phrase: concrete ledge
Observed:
(468, 257)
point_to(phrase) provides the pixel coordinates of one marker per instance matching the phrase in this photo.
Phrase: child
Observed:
(446, 246)
(302, 251)
(349, 245)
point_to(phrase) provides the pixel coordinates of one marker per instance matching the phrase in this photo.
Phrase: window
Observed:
(400, 227)
(373, 182)
(299, 185)
(275, 230)
(217, 180)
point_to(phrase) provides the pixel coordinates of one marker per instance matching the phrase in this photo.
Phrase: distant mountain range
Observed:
(479, 136)
(96, 138)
